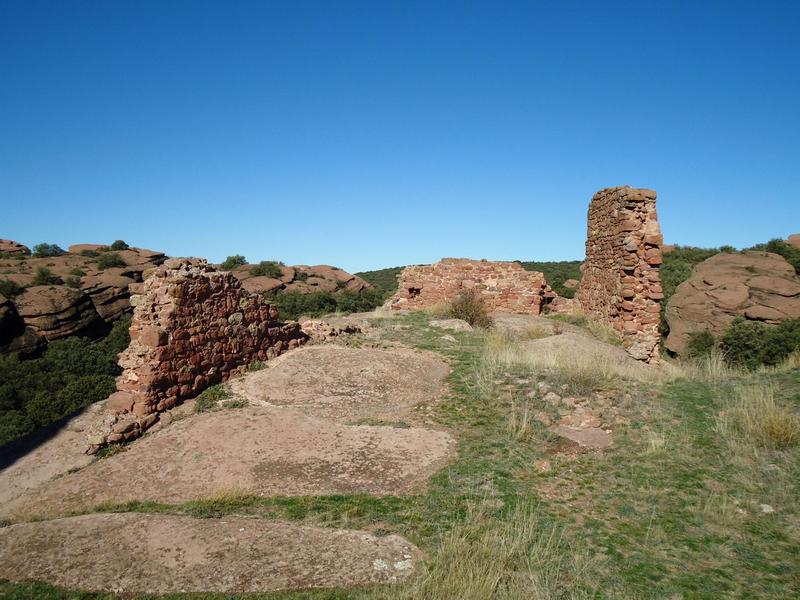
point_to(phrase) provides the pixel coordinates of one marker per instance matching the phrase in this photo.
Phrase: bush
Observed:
(90, 253)
(751, 344)
(230, 263)
(267, 268)
(47, 250)
(293, 304)
(119, 245)
(108, 260)
(44, 276)
(10, 289)
(75, 271)
(468, 306)
(700, 343)
(72, 373)
(383, 280)
(73, 282)
(556, 273)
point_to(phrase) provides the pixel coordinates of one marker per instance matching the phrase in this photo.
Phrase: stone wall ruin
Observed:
(621, 283)
(192, 327)
(503, 286)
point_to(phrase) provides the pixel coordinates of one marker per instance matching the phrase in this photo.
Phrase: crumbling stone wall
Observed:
(503, 286)
(621, 283)
(192, 327)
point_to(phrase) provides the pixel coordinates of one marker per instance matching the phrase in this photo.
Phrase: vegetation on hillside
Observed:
(46, 250)
(233, 261)
(556, 273)
(383, 280)
(293, 304)
(267, 268)
(71, 374)
(787, 251)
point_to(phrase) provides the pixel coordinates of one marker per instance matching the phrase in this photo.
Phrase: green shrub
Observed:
(293, 304)
(73, 282)
(44, 276)
(267, 268)
(751, 344)
(46, 250)
(108, 260)
(76, 272)
(468, 306)
(556, 273)
(10, 289)
(700, 343)
(300, 276)
(119, 245)
(90, 253)
(230, 263)
(383, 280)
(72, 373)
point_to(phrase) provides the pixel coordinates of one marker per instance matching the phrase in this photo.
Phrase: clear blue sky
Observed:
(372, 134)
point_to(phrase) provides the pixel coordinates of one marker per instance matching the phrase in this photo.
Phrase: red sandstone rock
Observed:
(57, 311)
(757, 285)
(13, 248)
(621, 284)
(794, 240)
(15, 336)
(503, 286)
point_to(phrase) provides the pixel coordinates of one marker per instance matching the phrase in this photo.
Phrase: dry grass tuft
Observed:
(754, 417)
(518, 556)
(710, 368)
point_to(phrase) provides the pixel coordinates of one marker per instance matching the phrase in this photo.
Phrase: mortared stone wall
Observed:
(621, 283)
(503, 286)
(192, 327)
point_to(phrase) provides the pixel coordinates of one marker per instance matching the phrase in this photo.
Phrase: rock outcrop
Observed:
(759, 286)
(15, 336)
(57, 311)
(192, 327)
(621, 283)
(794, 240)
(301, 278)
(12, 248)
(503, 286)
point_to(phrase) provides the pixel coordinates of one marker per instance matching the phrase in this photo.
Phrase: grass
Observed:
(672, 510)
(217, 397)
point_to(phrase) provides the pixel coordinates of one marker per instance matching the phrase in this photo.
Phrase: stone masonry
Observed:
(503, 286)
(621, 283)
(192, 327)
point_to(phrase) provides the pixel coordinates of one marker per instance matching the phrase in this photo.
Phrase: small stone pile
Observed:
(192, 327)
(503, 286)
(621, 283)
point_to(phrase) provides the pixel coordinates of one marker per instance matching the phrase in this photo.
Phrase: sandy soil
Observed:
(159, 554)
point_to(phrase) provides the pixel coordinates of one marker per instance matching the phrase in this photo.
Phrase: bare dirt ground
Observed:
(159, 554)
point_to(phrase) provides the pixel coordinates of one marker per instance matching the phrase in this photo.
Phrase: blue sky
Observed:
(373, 134)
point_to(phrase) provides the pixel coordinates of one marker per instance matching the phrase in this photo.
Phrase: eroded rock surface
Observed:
(168, 554)
(759, 286)
(55, 312)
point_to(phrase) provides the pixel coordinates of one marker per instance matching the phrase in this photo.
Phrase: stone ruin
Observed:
(621, 283)
(503, 286)
(192, 327)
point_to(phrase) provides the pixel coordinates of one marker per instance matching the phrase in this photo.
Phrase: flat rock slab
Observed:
(61, 452)
(587, 437)
(347, 384)
(164, 554)
(261, 450)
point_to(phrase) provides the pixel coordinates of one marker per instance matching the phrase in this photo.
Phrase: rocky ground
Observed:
(536, 460)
